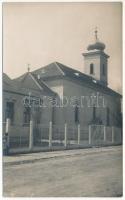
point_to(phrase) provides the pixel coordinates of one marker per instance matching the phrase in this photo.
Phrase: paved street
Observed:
(82, 173)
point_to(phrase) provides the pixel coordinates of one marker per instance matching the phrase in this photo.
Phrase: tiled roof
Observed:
(15, 85)
(60, 70)
(8, 83)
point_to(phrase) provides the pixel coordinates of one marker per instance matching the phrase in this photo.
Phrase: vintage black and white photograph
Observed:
(62, 99)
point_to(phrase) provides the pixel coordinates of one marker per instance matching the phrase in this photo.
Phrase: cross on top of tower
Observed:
(96, 32)
(28, 67)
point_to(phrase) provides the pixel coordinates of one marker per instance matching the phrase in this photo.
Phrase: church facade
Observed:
(64, 95)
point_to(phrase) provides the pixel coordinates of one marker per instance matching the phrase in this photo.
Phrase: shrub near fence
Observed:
(49, 135)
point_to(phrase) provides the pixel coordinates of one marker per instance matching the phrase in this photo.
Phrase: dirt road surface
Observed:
(97, 174)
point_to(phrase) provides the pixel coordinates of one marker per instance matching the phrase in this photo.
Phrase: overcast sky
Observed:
(41, 33)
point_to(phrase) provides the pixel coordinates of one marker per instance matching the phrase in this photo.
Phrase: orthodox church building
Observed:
(63, 94)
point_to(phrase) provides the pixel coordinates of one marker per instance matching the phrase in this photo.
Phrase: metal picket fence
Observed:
(72, 135)
(84, 135)
(97, 134)
(109, 134)
(19, 135)
(40, 135)
(67, 135)
(57, 135)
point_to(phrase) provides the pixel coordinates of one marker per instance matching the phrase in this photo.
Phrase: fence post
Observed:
(112, 134)
(90, 134)
(7, 125)
(104, 133)
(50, 134)
(31, 135)
(65, 139)
(7, 131)
(78, 134)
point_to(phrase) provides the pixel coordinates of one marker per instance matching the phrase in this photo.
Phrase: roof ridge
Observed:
(75, 70)
(59, 68)
(35, 81)
(45, 85)
(69, 67)
(39, 79)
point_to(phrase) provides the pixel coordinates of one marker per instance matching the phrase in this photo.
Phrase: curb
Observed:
(52, 157)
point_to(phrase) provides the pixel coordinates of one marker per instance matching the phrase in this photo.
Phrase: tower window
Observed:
(91, 68)
(103, 69)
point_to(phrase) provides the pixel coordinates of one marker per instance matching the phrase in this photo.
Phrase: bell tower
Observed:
(96, 61)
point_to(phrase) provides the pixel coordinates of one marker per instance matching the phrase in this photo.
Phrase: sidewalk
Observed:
(34, 157)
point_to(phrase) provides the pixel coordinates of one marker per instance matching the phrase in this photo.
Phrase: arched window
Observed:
(53, 110)
(103, 69)
(108, 116)
(76, 113)
(38, 115)
(94, 112)
(27, 115)
(91, 68)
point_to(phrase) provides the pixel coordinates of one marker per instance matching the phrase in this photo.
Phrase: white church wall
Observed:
(86, 113)
(57, 86)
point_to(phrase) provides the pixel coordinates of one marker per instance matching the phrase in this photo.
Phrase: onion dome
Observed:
(97, 45)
